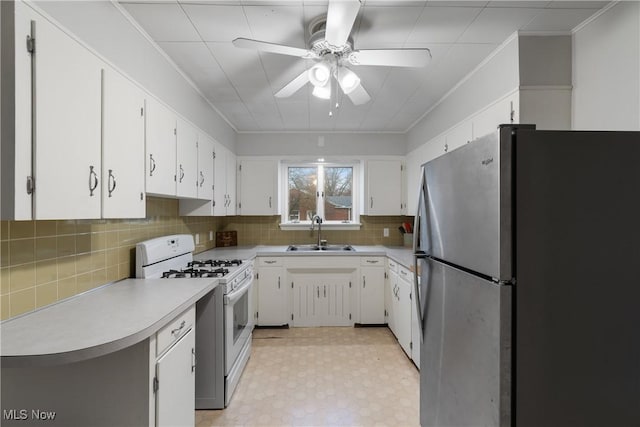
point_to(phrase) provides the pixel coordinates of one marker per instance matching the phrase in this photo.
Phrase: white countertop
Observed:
(124, 313)
(97, 322)
(399, 254)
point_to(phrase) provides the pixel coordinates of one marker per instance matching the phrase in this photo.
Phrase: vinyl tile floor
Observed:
(323, 377)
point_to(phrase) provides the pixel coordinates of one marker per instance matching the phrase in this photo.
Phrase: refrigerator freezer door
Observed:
(465, 359)
(468, 206)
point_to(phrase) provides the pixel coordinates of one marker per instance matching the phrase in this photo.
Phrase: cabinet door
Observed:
(122, 148)
(372, 295)
(161, 149)
(384, 187)
(338, 294)
(231, 183)
(220, 199)
(175, 371)
(257, 185)
(307, 300)
(68, 127)
(205, 167)
(403, 316)
(392, 301)
(186, 160)
(272, 301)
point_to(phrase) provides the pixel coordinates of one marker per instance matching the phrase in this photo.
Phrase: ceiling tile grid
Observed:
(242, 83)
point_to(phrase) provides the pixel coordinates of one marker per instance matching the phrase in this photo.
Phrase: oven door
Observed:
(238, 321)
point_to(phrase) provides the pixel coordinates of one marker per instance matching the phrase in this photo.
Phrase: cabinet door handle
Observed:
(278, 283)
(178, 329)
(364, 282)
(325, 291)
(270, 261)
(193, 359)
(152, 165)
(372, 261)
(181, 173)
(318, 289)
(111, 180)
(269, 201)
(371, 202)
(93, 181)
(201, 178)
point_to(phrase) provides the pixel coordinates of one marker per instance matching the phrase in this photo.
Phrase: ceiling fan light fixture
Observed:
(319, 74)
(322, 92)
(348, 80)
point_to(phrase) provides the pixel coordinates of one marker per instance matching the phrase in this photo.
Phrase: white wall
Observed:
(606, 70)
(105, 29)
(494, 78)
(308, 144)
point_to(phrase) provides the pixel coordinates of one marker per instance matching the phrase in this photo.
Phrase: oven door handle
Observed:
(238, 292)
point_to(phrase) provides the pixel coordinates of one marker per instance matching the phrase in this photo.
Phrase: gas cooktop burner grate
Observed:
(194, 272)
(215, 263)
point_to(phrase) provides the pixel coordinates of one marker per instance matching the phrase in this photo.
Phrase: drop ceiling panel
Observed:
(494, 25)
(295, 114)
(218, 23)
(380, 27)
(277, 24)
(197, 62)
(241, 66)
(578, 4)
(163, 22)
(442, 24)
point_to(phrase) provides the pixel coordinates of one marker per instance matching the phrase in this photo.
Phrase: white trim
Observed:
(364, 132)
(464, 79)
(593, 17)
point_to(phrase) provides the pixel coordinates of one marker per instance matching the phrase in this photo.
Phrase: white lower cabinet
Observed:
(174, 380)
(402, 315)
(273, 294)
(321, 299)
(175, 396)
(372, 288)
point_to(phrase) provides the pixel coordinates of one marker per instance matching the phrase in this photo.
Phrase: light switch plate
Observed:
(197, 238)
(210, 235)
(385, 232)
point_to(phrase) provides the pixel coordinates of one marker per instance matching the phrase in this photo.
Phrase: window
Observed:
(327, 190)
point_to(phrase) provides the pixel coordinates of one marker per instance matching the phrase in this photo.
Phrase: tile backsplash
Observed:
(42, 262)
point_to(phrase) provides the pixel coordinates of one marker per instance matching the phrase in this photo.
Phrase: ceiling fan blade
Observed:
(273, 48)
(293, 86)
(359, 96)
(391, 57)
(340, 18)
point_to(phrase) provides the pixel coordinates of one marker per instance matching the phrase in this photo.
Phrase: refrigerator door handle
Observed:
(418, 220)
(416, 292)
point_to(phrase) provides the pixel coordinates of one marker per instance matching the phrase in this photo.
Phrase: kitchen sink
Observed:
(316, 248)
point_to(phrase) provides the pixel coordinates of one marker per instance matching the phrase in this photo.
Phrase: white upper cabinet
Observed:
(224, 182)
(258, 187)
(384, 188)
(67, 126)
(16, 150)
(122, 148)
(160, 159)
(203, 205)
(187, 160)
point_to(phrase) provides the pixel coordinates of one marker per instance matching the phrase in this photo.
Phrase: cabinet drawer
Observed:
(174, 330)
(269, 261)
(393, 266)
(405, 273)
(372, 261)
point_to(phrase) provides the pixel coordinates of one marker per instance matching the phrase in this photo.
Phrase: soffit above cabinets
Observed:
(241, 83)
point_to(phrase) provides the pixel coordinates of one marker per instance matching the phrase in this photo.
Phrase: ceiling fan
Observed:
(332, 49)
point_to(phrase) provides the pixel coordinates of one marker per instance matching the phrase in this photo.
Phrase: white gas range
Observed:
(223, 322)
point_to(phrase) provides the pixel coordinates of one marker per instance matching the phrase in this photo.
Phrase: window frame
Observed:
(356, 189)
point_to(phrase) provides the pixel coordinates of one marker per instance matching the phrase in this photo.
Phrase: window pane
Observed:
(303, 185)
(338, 194)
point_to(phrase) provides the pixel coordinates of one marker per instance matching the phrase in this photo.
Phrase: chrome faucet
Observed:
(316, 219)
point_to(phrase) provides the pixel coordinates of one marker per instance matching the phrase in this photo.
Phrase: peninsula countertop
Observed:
(98, 322)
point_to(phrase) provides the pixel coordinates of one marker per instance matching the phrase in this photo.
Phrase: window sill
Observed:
(325, 226)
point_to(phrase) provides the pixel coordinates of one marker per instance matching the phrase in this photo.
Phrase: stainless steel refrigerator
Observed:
(527, 248)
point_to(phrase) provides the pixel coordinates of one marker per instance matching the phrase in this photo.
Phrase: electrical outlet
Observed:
(210, 235)
(385, 232)
(197, 238)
